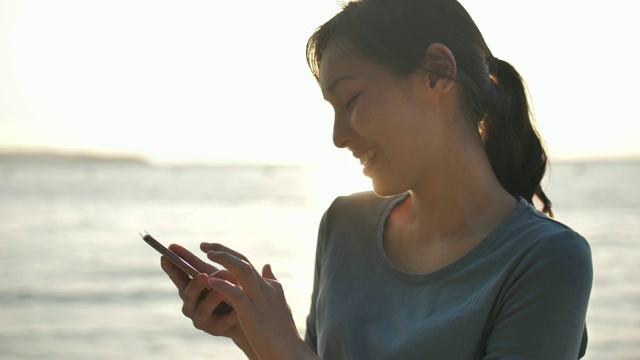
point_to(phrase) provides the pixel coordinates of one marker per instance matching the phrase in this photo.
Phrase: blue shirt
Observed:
(522, 293)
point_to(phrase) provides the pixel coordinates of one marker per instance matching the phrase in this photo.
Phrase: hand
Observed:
(200, 308)
(260, 305)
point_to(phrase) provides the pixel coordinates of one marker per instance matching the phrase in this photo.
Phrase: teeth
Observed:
(370, 154)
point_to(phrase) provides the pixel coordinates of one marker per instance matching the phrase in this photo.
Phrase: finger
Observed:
(192, 294)
(207, 306)
(221, 325)
(177, 276)
(206, 247)
(267, 273)
(205, 317)
(231, 292)
(245, 273)
(192, 259)
(225, 275)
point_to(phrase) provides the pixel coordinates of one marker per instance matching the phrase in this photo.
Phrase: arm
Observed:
(542, 314)
(311, 333)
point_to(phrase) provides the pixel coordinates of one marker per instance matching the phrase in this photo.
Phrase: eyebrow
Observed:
(334, 83)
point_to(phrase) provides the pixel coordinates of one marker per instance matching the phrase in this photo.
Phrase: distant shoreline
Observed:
(53, 157)
(20, 156)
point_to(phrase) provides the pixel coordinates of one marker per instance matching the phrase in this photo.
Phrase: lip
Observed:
(365, 156)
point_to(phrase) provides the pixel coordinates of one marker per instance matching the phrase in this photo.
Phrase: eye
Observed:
(351, 101)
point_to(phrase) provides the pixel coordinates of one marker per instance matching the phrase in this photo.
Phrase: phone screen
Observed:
(223, 308)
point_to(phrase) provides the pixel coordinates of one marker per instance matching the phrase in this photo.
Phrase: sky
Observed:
(227, 81)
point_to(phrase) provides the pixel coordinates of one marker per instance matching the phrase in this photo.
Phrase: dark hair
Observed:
(396, 34)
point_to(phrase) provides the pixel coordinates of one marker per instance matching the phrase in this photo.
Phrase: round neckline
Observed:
(483, 248)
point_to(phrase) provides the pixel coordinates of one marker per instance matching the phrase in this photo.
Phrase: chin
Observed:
(385, 189)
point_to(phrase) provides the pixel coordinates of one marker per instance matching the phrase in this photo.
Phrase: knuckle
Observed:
(276, 285)
(246, 267)
(198, 324)
(243, 267)
(186, 311)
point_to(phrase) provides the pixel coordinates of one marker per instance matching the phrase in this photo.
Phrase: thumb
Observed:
(267, 273)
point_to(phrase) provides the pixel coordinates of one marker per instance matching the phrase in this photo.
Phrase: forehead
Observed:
(337, 63)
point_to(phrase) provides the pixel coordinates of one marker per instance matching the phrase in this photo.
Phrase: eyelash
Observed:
(348, 104)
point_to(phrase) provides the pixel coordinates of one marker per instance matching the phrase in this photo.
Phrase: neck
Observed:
(463, 200)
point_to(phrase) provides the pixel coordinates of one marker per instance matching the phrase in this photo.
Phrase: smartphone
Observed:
(223, 308)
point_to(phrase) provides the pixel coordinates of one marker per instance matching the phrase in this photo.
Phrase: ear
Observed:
(441, 66)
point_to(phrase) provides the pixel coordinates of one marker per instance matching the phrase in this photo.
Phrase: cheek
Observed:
(373, 116)
(390, 119)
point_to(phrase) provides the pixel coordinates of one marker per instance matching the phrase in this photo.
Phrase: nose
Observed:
(342, 132)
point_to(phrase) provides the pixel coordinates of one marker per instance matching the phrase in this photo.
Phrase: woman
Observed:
(447, 258)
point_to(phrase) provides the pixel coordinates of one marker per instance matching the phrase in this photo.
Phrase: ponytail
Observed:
(515, 149)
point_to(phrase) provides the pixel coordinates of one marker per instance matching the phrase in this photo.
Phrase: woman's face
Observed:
(388, 122)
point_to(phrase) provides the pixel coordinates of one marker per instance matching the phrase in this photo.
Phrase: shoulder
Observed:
(357, 199)
(545, 243)
(356, 214)
(550, 234)
(361, 204)
(543, 279)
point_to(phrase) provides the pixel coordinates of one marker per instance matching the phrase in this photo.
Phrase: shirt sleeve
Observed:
(542, 314)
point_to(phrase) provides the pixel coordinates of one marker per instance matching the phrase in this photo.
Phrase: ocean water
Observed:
(77, 282)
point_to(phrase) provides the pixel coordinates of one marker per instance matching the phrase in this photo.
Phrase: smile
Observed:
(367, 156)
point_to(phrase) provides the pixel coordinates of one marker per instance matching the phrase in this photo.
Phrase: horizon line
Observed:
(33, 153)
